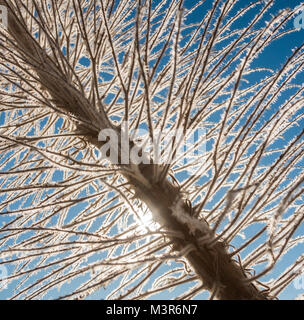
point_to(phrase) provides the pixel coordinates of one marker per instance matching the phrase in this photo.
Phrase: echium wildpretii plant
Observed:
(71, 69)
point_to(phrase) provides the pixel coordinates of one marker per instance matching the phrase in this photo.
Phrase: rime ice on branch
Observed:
(70, 69)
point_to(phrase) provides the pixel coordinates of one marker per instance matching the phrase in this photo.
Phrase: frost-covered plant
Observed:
(75, 222)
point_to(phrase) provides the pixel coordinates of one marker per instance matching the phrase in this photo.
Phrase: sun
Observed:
(145, 220)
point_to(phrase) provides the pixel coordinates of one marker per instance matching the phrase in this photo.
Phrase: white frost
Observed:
(183, 217)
